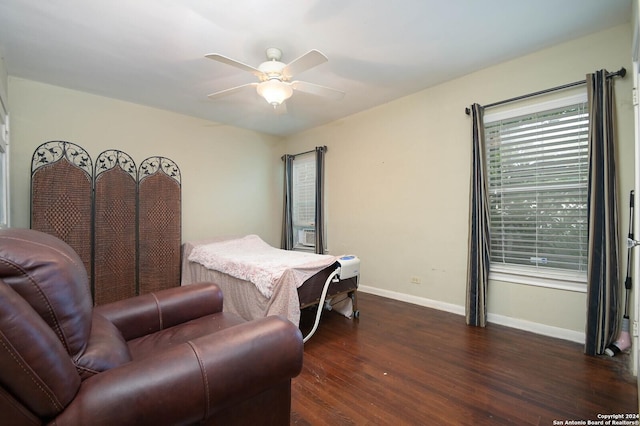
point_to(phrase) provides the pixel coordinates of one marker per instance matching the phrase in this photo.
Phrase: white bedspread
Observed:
(251, 259)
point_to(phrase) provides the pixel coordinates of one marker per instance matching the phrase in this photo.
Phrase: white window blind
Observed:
(304, 192)
(538, 169)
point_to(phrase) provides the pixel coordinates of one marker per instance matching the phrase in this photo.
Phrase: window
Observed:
(304, 200)
(537, 165)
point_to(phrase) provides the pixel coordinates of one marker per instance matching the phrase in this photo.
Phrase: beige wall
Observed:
(398, 181)
(230, 177)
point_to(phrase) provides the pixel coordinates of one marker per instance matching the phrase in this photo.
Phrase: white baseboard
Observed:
(534, 327)
(421, 301)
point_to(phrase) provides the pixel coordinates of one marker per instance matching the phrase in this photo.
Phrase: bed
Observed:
(258, 280)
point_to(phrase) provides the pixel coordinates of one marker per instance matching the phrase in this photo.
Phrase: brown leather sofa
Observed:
(167, 358)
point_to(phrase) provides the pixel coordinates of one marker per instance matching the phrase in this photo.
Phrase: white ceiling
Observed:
(151, 52)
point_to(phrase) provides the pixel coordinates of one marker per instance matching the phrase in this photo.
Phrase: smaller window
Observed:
(304, 201)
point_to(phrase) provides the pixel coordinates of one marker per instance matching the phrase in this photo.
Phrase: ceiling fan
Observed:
(275, 84)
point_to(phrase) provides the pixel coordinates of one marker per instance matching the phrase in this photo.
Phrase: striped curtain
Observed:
(287, 214)
(479, 243)
(603, 274)
(319, 219)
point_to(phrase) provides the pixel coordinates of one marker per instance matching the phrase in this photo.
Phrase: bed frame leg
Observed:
(354, 301)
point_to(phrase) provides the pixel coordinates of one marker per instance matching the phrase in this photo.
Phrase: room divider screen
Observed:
(123, 221)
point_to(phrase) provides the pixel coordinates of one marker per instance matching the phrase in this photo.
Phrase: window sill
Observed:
(558, 281)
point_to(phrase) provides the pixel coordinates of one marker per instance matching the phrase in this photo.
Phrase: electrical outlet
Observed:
(635, 328)
(415, 280)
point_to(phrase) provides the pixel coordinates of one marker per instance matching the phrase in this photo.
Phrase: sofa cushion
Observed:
(105, 349)
(148, 345)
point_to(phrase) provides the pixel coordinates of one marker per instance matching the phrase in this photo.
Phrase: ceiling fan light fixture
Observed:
(274, 91)
(275, 83)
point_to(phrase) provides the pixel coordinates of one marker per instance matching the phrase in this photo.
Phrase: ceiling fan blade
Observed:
(234, 63)
(231, 90)
(309, 60)
(316, 89)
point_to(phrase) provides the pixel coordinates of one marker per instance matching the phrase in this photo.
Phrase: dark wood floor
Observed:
(405, 364)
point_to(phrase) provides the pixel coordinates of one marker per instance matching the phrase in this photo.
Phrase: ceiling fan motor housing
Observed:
(272, 69)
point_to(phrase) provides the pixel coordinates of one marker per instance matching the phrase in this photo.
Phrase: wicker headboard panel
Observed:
(124, 222)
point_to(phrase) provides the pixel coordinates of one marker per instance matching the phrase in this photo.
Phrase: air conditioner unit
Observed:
(307, 237)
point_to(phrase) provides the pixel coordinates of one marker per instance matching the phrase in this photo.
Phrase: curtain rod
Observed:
(324, 148)
(303, 153)
(621, 72)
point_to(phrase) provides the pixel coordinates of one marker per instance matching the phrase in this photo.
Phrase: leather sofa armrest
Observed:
(190, 382)
(148, 313)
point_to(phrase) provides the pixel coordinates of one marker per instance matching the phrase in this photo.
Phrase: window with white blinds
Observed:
(537, 165)
(304, 199)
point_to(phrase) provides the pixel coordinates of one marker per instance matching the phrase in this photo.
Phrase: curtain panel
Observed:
(287, 212)
(319, 219)
(479, 242)
(603, 263)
